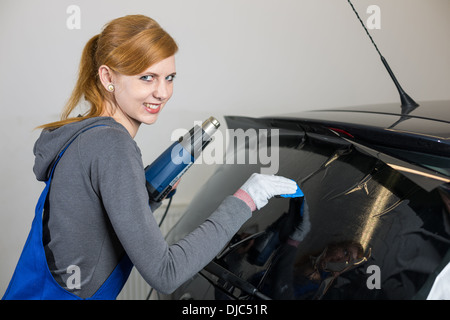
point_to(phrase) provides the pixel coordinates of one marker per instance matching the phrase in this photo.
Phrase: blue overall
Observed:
(32, 279)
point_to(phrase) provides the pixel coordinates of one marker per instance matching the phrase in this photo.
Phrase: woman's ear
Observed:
(106, 76)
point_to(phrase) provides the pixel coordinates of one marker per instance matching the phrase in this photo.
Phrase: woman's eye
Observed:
(147, 78)
(170, 78)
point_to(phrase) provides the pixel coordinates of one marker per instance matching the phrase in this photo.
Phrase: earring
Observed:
(110, 87)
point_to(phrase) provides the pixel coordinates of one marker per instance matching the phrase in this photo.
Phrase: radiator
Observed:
(136, 288)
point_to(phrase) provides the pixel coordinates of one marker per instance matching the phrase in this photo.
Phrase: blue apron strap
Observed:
(33, 280)
(111, 288)
(43, 196)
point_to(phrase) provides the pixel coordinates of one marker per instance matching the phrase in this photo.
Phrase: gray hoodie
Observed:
(98, 208)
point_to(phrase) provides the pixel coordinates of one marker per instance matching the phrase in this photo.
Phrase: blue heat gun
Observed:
(168, 168)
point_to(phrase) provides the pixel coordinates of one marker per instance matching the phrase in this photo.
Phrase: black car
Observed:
(376, 182)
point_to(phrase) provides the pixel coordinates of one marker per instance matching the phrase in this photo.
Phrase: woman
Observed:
(97, 222)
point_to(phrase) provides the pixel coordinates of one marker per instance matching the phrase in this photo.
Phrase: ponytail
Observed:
(87, 83)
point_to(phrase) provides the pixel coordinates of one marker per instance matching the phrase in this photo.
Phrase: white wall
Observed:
(237, 57)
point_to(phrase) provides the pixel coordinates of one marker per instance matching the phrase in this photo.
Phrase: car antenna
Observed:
(408, 104)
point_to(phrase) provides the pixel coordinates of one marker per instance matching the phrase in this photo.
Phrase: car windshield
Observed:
(375, 234)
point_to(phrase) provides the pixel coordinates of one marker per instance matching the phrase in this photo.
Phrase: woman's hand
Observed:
(259, 188)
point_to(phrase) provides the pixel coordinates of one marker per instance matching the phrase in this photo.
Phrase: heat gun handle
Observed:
(166, 170)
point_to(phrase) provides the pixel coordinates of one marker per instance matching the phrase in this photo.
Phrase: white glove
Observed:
(262, 187)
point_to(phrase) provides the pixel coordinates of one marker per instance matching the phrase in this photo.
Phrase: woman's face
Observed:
(140, 98)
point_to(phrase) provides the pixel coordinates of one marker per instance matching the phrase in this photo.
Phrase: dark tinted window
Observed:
(374, 233)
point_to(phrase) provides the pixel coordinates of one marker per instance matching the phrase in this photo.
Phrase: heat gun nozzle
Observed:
(210, 126)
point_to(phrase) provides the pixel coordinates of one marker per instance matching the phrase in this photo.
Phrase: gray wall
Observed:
(237, 57)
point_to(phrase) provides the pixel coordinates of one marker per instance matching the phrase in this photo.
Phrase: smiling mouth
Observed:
(152, 108)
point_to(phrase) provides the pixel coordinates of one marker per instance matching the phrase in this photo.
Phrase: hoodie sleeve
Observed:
(117, 174)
